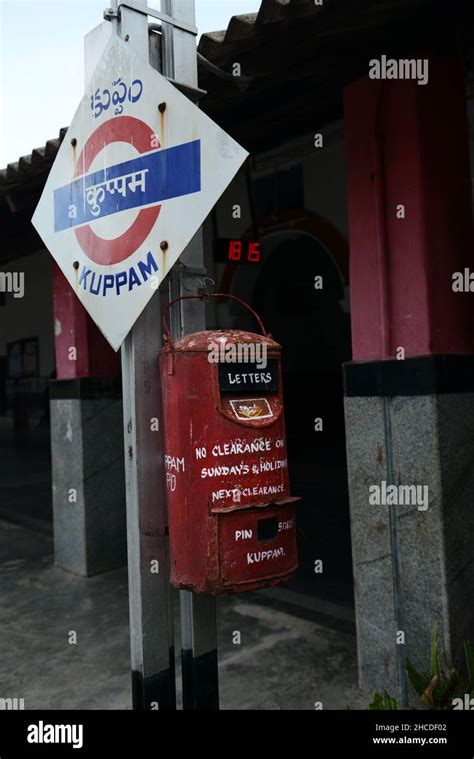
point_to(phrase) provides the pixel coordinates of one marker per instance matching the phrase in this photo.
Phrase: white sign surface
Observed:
(138, 171)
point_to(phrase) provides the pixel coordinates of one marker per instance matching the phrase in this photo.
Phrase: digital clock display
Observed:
(237, 251)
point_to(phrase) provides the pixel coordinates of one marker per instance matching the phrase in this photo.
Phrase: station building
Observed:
(344, 231)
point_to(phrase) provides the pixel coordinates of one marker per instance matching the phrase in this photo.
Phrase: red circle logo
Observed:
(107, 252)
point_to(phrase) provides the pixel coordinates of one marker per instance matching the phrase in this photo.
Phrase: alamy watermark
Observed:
(405, 68)
(12, 704)
(463, 281)
(466, 703)
(46, 733)
(399, 495)
(223, 352)
(12, 282)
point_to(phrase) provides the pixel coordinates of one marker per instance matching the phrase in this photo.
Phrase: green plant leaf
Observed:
(435, 665)
(436, 684)
(427, 696)
(455, 687)
(377, 703)
(418, 681)
(390, 703)
(469, 654)
(383, 704)
(447, 660)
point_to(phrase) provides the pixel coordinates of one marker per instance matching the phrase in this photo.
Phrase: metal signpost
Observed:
(197, 612)
(136, 175)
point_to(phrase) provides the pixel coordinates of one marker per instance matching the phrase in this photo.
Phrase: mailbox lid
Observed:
(200, 342)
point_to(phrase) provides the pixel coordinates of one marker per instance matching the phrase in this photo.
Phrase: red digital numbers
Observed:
(235, 250)
(253, 253)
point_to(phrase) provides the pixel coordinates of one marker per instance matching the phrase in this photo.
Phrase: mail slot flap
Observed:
(242, 507)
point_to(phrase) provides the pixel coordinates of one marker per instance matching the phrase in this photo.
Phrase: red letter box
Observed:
(231, 516)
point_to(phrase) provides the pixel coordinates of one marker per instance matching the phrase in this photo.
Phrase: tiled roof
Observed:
(211, 46)
(296, 57)
(32, 165)
(251, 24)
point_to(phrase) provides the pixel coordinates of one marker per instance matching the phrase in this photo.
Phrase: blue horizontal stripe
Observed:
(170, 173)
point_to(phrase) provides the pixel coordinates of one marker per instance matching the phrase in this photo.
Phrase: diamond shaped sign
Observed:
(137, 173)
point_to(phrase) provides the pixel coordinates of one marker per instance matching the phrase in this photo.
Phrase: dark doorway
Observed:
(313, 326)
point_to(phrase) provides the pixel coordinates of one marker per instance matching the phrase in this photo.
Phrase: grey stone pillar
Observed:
(411, 423)
(88, 475)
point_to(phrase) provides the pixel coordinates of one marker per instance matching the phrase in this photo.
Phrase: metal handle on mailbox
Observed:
(201, 297)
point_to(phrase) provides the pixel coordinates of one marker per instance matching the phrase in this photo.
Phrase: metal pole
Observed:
(198, 611)
(150, 595)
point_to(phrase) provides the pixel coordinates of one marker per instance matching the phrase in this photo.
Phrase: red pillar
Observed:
(73, 328)
(407, 144)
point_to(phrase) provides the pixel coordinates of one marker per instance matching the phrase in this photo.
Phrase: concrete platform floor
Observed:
(294, 652)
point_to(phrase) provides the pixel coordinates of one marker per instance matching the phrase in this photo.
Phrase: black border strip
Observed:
(159, 688)
(86, 389)
(200, 681)
(421, 375)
